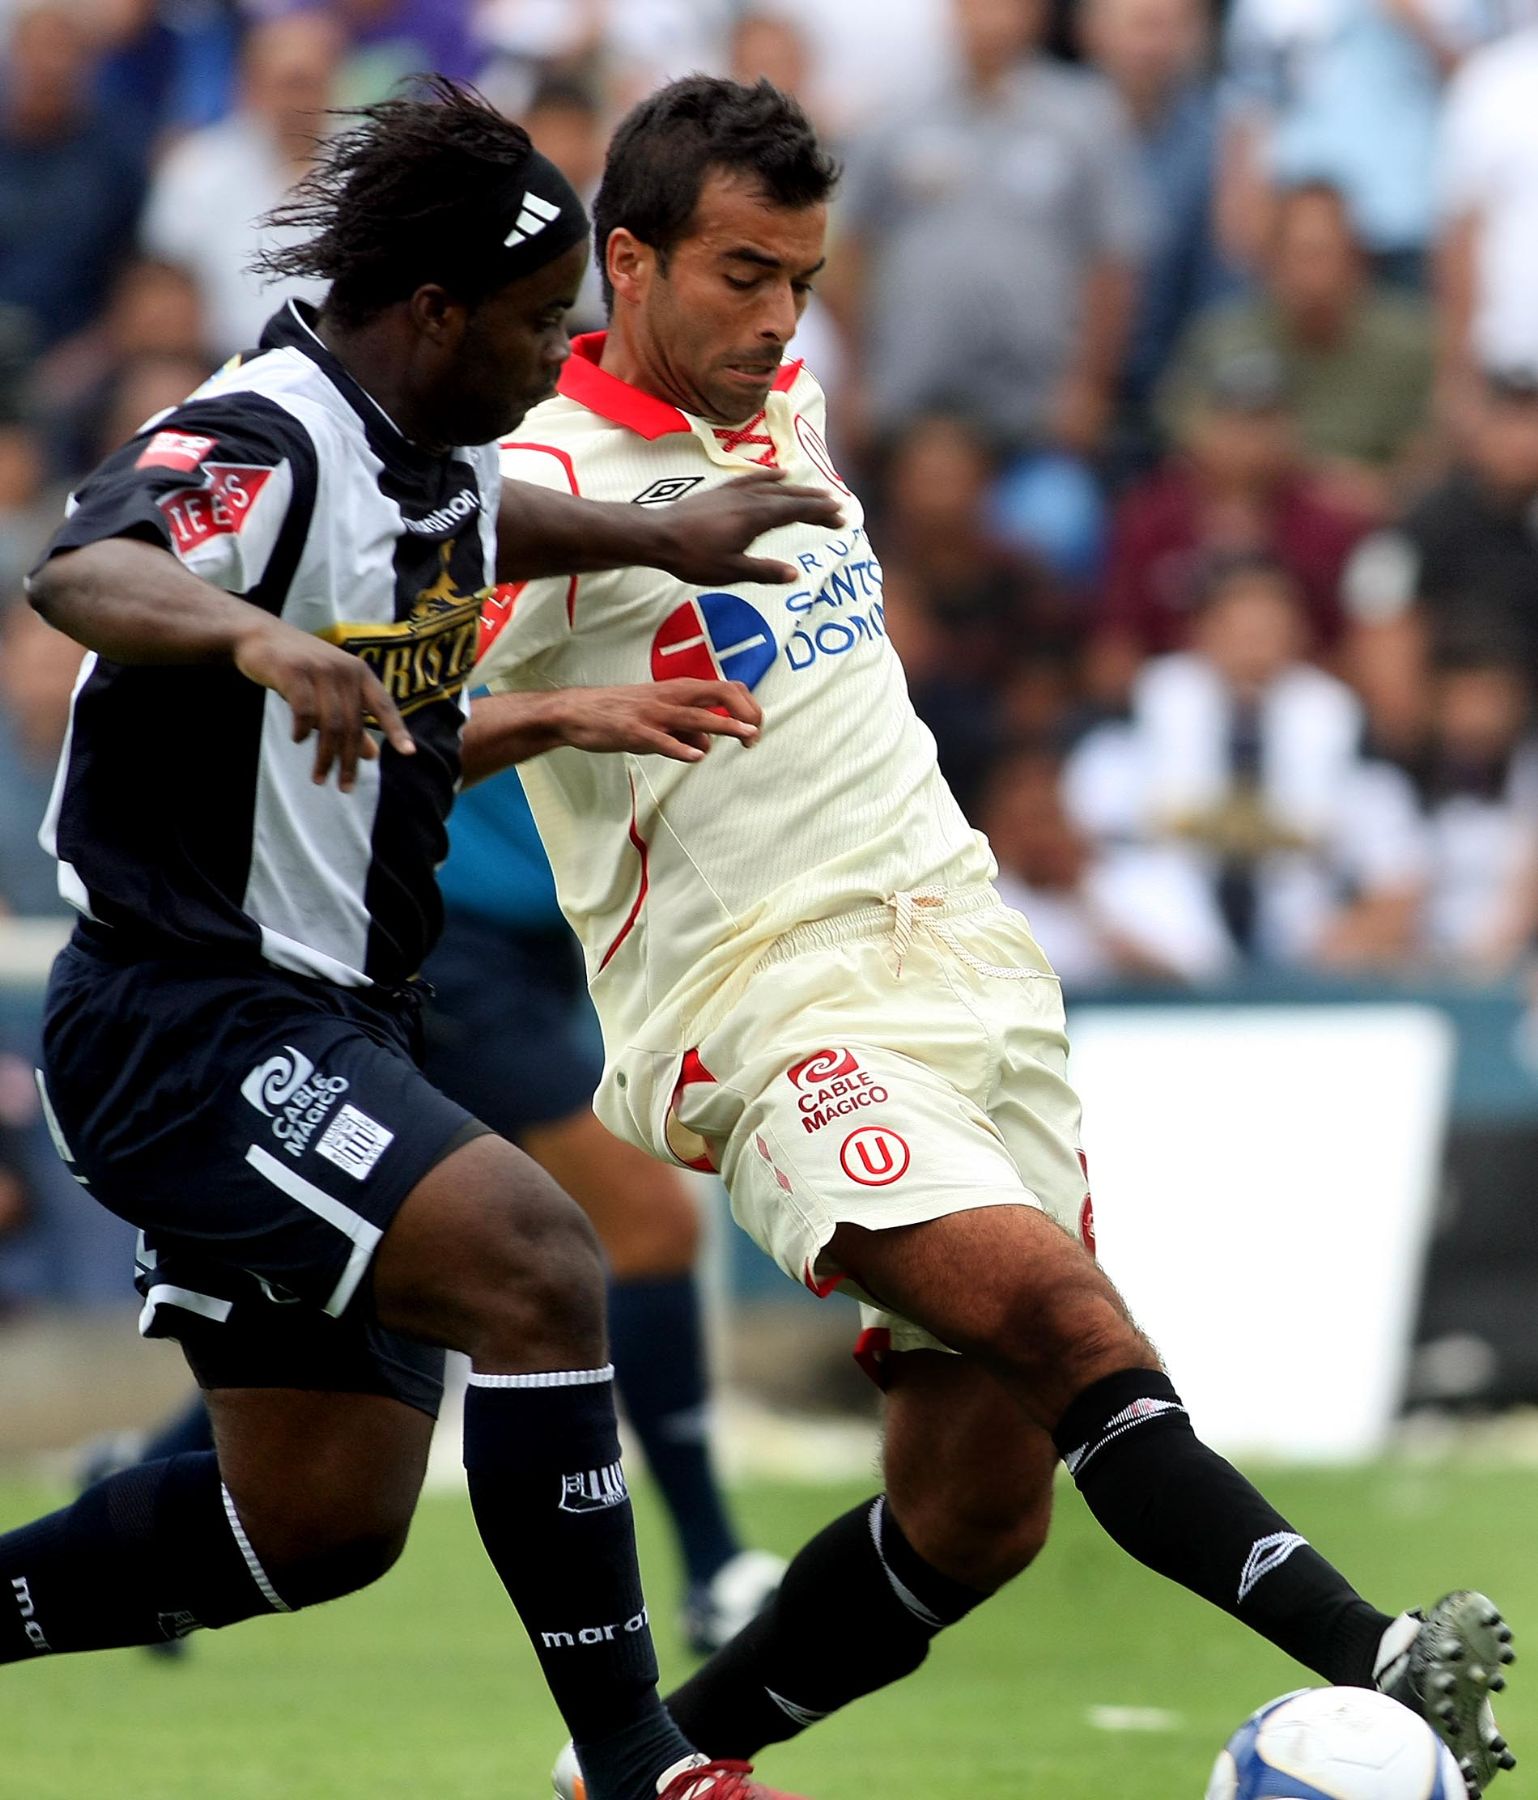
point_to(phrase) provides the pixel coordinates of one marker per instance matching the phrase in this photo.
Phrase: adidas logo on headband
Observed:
(534, 214)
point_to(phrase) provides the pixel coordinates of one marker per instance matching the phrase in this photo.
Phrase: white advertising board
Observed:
(1263, 1181)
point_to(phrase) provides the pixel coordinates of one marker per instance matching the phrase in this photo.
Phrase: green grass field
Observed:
(422, 1689)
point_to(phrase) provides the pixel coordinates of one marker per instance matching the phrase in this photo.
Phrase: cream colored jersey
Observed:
(678, 878)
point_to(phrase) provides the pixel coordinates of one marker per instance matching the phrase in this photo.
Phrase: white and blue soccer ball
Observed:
(1335, 1743)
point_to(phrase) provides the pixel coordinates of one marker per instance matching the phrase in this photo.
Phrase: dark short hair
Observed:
(664, 148)
(1240, 568)
(401, 199)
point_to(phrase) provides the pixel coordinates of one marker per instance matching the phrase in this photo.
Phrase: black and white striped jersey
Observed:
(183, 814)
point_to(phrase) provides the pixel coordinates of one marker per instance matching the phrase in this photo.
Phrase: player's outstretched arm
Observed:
(134, 603)
(676, 718)
(700, 540)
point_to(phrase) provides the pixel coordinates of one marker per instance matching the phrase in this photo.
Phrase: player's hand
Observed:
(329, 691)
(705, 539)
(677, 719)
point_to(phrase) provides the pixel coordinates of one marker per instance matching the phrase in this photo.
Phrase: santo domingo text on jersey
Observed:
(184, 814)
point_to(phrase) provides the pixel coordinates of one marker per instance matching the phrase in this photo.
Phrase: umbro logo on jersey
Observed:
(669, 488)
(534, 214)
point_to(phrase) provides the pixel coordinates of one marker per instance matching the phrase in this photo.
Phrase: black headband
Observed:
(538, 217)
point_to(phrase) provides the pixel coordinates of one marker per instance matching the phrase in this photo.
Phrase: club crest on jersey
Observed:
(716, 637)
(833, 1085)
(179, 450)
(429, 655)
(218, 508)
(874, 1156)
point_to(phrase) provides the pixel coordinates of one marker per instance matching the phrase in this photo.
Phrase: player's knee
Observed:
(539, 1273)
(341, 1567)
(1072, 1333)
(978, 1537)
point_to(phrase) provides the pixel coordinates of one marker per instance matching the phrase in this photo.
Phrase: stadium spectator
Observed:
(1090, 913)
(870, 56)
(1152, 52)
(213, 188)
(155, 311)
(1344, 91)
(1479, 788)
(1234, 483)
(628, 46)
(167, 66)
(1464, 557)
(986, 636)
(71, 178)
(565, 119)
(1357, 359)
(988, 261)
(37, 672)
(1243, 761)
(1487, 185)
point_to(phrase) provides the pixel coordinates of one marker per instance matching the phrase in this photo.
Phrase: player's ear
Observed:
(630, 264)
(436, 314)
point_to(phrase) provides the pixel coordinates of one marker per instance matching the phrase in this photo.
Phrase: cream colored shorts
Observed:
(888, 1066)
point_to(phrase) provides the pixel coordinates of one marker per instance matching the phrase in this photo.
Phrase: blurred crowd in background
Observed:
(1186, 356)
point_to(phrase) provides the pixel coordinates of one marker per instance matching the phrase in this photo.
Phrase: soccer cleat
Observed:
(695, 1779)
(1444, 1665)
(715, 1611)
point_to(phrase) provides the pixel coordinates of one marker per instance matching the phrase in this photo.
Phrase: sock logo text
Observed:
(29, 1624)
(591, 1490)
(593, 1634)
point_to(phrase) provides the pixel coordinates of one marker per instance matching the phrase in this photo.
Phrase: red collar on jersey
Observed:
(583, 381)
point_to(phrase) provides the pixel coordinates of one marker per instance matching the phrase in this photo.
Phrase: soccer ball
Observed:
(1336, 1743)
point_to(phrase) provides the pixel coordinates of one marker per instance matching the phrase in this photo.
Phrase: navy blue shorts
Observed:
(510, 1031)
(261, 1130)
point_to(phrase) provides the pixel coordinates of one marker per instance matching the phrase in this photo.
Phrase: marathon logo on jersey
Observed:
(453, 513)
(429, 655)
(288, 1090)
(219, 508)
(179, 450)
(594, 1490)
(833, 1085)
(715, 637)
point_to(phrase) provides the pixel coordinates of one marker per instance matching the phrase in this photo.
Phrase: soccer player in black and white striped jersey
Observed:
(280, 583)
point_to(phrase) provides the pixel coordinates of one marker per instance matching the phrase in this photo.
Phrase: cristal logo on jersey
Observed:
(218, 508)
(833, 1085)
(716, 637)
(427, 656)
(874, 1156)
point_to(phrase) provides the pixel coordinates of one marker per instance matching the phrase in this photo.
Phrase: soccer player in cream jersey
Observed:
(807, 982)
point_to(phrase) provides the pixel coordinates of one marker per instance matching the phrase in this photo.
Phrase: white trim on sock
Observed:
(258, 1574)
(545, 1378)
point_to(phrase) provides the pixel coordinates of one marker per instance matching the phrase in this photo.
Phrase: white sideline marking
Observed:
(1133, 1718)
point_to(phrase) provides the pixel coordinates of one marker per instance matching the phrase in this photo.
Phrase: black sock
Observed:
(542, 1457)
(1178, 1507)
(659, 1365)
(857, 1610)
(188, 1431)
(148, 1554)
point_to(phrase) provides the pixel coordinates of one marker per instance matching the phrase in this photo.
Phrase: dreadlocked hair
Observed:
(400, 199)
